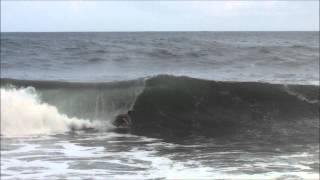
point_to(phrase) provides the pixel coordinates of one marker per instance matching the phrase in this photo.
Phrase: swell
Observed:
(176, 106)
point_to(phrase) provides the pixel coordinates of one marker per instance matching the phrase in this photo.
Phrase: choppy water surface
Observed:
(286, 57)
(114, 155)
(246, 108)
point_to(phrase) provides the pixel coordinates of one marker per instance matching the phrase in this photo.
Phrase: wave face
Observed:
(47, 107)
(182, 106)
(173, 106)
(95, 101)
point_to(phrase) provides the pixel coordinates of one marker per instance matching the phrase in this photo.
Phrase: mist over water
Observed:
(206, 105)
(22, 113)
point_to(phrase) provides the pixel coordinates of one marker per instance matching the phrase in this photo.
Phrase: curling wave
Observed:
(171, 105)
(183, 105)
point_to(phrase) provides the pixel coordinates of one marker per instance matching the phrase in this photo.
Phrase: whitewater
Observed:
(22, 113)
(204, 105)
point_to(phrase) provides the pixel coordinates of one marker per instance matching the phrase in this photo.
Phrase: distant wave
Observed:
(241, 56)
(171, 105)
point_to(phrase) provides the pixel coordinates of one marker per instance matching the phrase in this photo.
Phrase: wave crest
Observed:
(171, 105)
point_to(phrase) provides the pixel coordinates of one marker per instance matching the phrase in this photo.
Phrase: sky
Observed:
(52, 16)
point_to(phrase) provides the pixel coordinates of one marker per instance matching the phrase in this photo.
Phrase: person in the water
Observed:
(122, 120)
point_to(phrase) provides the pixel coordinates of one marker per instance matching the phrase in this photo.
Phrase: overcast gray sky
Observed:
(159, 15)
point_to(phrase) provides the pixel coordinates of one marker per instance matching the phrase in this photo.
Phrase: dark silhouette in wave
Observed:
(179, 106)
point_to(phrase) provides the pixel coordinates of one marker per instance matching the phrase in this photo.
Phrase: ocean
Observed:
(204, 105)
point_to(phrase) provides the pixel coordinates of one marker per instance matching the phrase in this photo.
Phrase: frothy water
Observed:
(67, 82)
(22, 113)
(124, 156)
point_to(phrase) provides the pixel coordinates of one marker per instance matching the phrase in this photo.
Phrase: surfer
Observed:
(122, 120)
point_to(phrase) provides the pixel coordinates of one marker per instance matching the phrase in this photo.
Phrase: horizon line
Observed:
(159, 31)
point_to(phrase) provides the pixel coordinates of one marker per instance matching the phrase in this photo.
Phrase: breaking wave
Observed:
(183, 105)
(164, 105)
(22, 113)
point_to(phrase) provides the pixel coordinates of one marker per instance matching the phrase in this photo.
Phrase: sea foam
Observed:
(22, 113)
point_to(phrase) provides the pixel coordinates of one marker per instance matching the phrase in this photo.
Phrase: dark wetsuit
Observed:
(122, 121)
